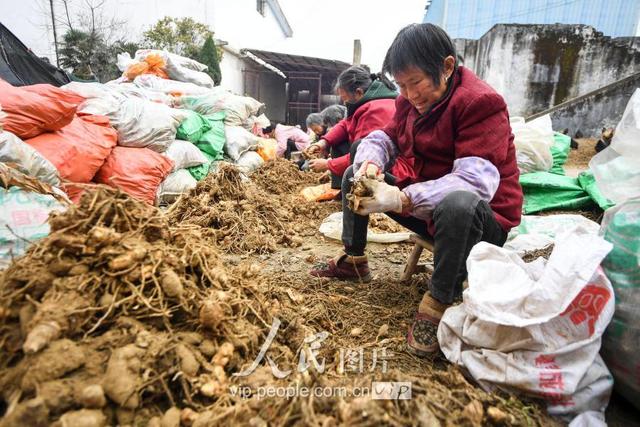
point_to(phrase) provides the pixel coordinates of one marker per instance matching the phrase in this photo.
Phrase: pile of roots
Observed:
(281, 176)
(118, 315)
(247, 217)
(127, 315)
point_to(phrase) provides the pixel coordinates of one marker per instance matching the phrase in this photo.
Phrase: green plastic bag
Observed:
(560, 152)
(193, 127)
(546, 191)
(201, 172)
(212, 141)
(621, 227)
(588, 182)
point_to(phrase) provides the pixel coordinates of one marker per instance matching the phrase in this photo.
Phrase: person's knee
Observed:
(456, 206)
(353, 149)
(347, 179)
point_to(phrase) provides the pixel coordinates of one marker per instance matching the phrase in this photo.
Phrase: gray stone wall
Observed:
(536, 67)
(604, 108)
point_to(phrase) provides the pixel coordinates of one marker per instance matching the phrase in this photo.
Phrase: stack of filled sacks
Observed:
(185, 82)
(165, 65)
(131, 133)
(25, 202)
(168, 75)
(142, 129)
(243, 119)
(46, 118)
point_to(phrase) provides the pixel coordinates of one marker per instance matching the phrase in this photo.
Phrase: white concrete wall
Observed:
(231, 68)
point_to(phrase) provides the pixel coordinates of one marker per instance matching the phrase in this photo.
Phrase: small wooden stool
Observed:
(420, 244)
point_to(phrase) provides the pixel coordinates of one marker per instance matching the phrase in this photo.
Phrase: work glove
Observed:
(368, 170)
(385, 198)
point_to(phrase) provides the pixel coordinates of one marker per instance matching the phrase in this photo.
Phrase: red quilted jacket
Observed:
(471, 120)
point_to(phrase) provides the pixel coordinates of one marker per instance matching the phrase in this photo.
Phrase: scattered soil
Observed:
(579, 159)
(380, 223)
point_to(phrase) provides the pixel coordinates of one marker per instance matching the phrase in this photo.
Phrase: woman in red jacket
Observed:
(370, 101)
(454, 176)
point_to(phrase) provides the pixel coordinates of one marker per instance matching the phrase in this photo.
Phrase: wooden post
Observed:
(412, 263)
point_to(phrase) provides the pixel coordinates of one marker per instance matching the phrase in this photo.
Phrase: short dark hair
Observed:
(424, 46)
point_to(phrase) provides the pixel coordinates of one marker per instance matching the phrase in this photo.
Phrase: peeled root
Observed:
(40, 336)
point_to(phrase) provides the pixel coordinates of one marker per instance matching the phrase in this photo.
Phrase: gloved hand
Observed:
(369, 170)
(385, 198)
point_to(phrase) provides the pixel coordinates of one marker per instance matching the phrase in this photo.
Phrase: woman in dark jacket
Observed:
(455, 176)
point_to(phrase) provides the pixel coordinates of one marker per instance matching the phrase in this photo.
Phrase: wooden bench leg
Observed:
(412, 263)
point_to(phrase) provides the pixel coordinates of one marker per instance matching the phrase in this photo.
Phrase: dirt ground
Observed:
(579, 159)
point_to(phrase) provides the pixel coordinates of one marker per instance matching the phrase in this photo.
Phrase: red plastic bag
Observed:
(79, 149)
(32, 110)
(136, 171)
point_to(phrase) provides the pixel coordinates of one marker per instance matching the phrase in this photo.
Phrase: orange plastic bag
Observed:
(136, 171)
(134, 70)
(155, 60)
(319, 193)
(152, 64)
(79, 149)
(267, 149)
(32, 110)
